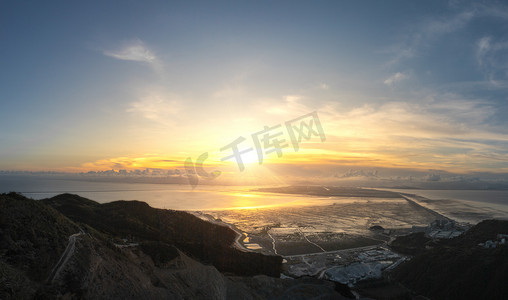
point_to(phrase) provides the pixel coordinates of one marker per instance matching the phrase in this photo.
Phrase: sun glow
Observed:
(244, 195)
(250, 157)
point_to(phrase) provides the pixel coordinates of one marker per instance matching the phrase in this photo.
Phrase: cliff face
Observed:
(46, 255)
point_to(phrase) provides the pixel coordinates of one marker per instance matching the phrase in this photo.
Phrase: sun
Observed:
(250, 157)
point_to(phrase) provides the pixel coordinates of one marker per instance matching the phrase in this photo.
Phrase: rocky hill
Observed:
(458, 268)
(66, 247)
(137, 221)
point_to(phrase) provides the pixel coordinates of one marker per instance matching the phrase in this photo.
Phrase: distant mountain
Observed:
(458, 268)
(74, 248)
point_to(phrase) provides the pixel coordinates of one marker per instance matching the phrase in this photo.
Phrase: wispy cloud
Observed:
(133, 162)
(156, 108)
(324, 86)
(452, 119)
(428, 32)
(134, 50)
(395, 78)
(438, 27)
(291, 105)
(443, 133)
(492, 58)
(483, 47)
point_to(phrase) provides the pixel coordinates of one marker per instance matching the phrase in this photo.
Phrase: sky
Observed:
(401, 88)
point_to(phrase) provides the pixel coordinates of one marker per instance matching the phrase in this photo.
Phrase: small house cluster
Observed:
(442, 229)
(501, 240)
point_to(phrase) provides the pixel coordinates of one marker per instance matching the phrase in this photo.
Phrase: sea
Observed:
(168, 196)
(465, 205)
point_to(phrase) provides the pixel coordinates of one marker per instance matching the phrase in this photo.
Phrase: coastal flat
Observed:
(316, 228)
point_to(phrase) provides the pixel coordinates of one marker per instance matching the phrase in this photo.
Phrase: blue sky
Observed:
(398, 84)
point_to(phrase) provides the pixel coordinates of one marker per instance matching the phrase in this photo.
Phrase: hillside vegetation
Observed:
(74, 248)
(458, 268)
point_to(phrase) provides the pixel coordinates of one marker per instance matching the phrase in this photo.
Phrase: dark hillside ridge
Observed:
(32, 234)
(47, 255)
(137, 221)
(458, 268)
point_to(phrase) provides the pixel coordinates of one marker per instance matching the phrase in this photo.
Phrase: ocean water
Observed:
(169, 196)
(481, 196)
(471, 205)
